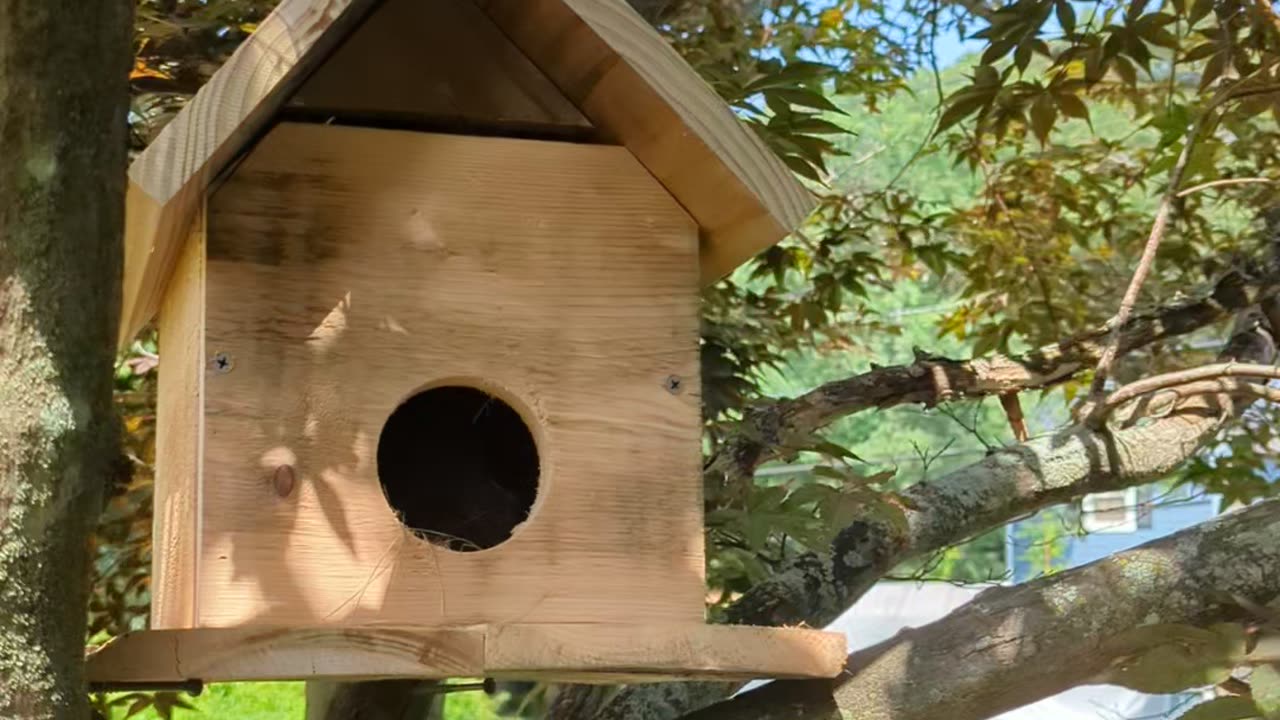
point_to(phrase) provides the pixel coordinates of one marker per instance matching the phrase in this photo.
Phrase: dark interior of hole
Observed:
(459, 466)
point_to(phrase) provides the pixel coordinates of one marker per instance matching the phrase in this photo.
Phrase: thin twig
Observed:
(942, 99)
(1209, 379)
(1182, 377)
(971, 428)
(1225, 181)
(1147, 260)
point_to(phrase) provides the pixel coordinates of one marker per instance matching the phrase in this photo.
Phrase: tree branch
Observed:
(1011, 646)
(1009, 483)
(767, 431)
(1177, 381)
(1220, 183)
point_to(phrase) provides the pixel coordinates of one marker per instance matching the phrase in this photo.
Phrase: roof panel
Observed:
(604, 58)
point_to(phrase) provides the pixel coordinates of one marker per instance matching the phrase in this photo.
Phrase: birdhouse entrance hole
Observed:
(459, 466)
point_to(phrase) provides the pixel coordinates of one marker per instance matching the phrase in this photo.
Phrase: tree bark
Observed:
(1009, 483)
(1011, 646)
(63, 98)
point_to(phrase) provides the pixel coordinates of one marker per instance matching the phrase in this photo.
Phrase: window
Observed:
(1110, 512)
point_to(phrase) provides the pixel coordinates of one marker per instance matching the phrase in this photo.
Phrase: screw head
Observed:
(673, 384)
(221, 363)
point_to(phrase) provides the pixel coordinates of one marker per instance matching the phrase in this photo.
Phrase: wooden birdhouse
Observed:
(426, 275)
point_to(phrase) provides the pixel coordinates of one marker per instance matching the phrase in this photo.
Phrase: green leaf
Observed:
(138, 706)
(1043, 114)
(1125, 69)
(816, 125)
(1199, 9)
(764, 499)
(1223, 708)
(1158, 36)
(1200, 52)
(802, 167)
(1066, 16)
(806, 98)
(962, 106)
(1213, 70)
(986, 76)
(1072, 106)
(1022, 56)
(830, 449)
(996, 51)
(1172, 124)
(988, 340)
(1265, 682)
(829, 472)
(794, 74)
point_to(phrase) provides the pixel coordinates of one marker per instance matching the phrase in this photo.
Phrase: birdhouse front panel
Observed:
(450, 380)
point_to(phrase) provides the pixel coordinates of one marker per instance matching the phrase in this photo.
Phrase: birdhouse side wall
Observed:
(350, 268)
(180, 414)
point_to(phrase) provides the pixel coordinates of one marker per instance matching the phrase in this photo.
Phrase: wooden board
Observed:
(351, 267)
(604, 59)
(167, 181)
(577, 653)
(441, 63)
(179, 433)
(626, 653)
(631, 84)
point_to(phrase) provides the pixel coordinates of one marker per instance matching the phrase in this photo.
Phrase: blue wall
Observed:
(1169, 512)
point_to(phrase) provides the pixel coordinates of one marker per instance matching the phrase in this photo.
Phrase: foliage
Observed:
(274, 701)
(259, 701)
(1240, 467)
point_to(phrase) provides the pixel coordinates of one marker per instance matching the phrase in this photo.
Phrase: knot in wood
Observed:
(283, 481)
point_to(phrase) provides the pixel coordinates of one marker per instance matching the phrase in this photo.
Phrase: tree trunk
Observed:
(63, 99)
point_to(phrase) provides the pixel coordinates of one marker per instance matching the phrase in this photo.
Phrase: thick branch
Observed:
(769, 430)
(1007, 484)
(1014, 645)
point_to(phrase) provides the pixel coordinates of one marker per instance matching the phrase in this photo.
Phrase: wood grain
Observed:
(168, 180)
(437, 63)
(625, 652)
(633, 86)
(349, 268)
(605, 60)
(255, 653)
(179, 435)
(578, 653)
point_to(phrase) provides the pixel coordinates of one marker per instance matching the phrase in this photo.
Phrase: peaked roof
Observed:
(626, 83)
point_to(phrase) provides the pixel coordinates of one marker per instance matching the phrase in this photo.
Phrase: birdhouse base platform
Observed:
(583, 653)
